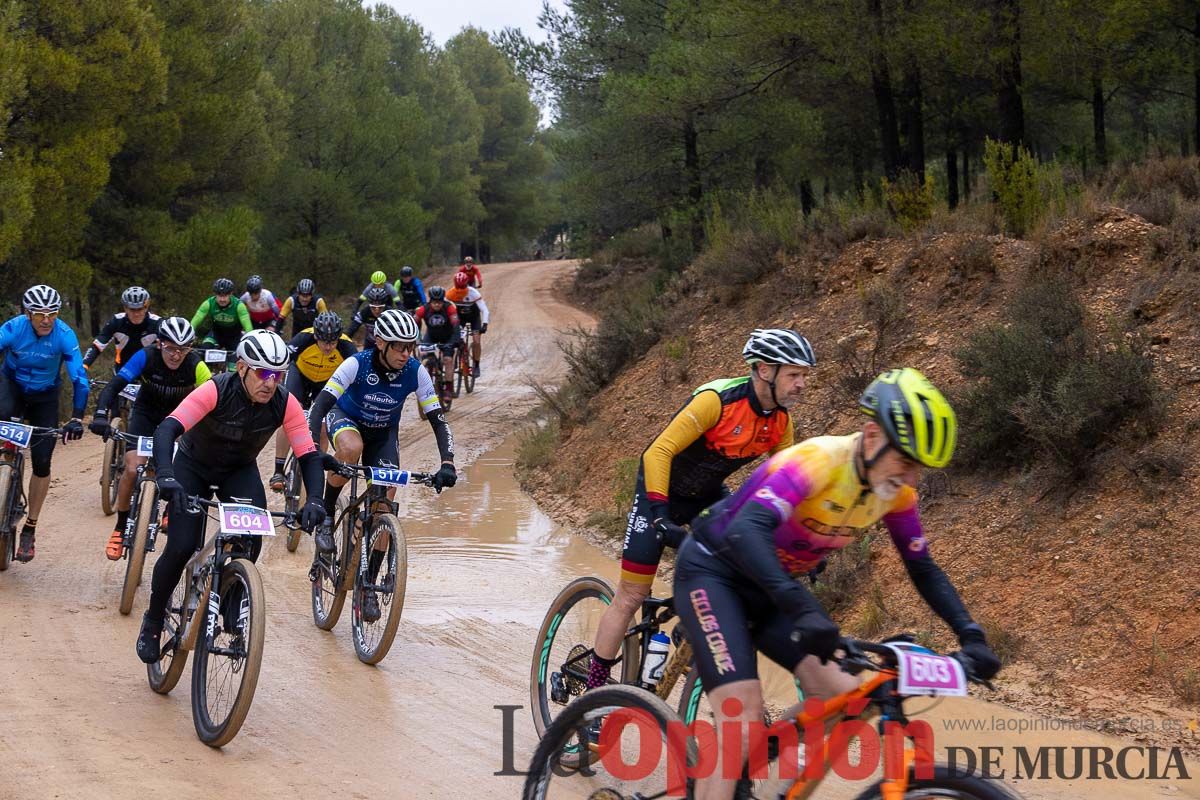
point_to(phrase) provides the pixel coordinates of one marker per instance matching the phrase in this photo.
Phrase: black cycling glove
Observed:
(483, 328)
(313, 513)
(172, 492)
(99, 424)
(817, 634)
(985, 664)
(445, 477)
(73, 430)
(669, 534)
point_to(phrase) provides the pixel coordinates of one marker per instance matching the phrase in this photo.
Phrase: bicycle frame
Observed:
(145, 472)
(361, 508)
(14, 504)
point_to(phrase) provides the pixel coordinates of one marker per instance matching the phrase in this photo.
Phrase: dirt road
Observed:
(77, 719)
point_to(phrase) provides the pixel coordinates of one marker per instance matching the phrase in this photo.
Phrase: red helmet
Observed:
(461, 279)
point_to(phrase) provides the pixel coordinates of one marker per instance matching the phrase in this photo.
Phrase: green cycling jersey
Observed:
(234, 315)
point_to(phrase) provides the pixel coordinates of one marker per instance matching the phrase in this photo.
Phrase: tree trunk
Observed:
(966, 171)
(951, 177)
(1196, 75)
(885, 101)
(1098, 133)
(807, 199)
(913, 121)
(1007, 28)
(691, 166)
(762, 172)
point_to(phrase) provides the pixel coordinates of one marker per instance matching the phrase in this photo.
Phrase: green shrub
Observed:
(1023, 189)
(1045, 387)
(747, 235)
(974, 256)
(846, 219)
(846, 572)
(910, 201)
(535, 448)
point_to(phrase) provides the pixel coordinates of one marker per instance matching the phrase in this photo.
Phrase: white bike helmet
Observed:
(394, 325)
(778, 346)
(264, 350)
(176, 330)
(41, 298)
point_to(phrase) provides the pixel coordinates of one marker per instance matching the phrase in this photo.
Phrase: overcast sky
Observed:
(444, 18)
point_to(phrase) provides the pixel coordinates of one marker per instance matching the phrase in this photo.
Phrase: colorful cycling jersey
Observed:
(468, 301)
(223, 319)
(391, 290)
(374, 398)
(441, 325)
(820, 505)
(315, 365)
(365, 316)
(130, 338)
(162, 388)
(263, 309)
(721, 429)
(412, 294)
(302, 315)
(33, 361)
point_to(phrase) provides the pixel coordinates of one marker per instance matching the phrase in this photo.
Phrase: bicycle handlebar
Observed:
(856, 659)
(350, 470)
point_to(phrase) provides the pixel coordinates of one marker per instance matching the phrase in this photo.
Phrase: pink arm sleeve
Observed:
(202, 400)
(296, 428)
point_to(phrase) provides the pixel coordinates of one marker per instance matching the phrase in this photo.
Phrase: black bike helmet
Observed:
(222, 286)
(327, 327)
(437, 294)
(253, 284)
(406, 271)
(377, 295)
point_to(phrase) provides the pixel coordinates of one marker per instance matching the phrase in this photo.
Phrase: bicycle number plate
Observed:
(215, 356)
(239, 518)
(145, 446)
(923, 672)
(16, 433)
(386, 476)
(130, 392)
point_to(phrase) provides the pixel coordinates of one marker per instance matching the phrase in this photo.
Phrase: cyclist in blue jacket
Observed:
(37, 344)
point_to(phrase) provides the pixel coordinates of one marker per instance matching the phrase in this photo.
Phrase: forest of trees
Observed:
(168, 142)
(664, 105)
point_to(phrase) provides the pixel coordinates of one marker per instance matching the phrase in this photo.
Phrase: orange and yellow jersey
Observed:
(721, 429)
(814, 491)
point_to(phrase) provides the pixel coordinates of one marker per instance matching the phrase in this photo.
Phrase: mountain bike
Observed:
(431, 357)
(462, 361)
(15, 438)
(217, 359)
(217, 609)
(899, 670)
(145, 518)
(293, 497)
(563, 651)
(112, 467)
(357, 560)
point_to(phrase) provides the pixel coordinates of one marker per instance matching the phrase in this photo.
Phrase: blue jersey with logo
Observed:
(374, 398)
(33, 361)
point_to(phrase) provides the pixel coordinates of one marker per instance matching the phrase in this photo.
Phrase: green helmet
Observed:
(378, 278)
(916, 417)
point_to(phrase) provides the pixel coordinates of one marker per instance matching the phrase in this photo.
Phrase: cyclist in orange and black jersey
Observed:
(726, 425)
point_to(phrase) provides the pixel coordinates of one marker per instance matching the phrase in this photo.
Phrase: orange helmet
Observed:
(461, 279)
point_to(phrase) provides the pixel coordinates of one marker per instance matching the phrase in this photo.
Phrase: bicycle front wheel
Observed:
(293, 500)
(562, 653)
(329, 588)
(639, 717)
(225, 673)
(386, 576)
(164, 673)
(135, 555)
(110, 473)
(946, 783)
(8, 526)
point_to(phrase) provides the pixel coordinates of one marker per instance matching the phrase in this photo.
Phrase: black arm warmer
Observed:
(752, 548)
(313, 472)
(441, 432)
(321, 406)
(164, 445)
(938, 592)
(108, 396)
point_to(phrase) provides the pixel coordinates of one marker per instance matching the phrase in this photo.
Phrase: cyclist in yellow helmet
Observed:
(737, 587)
(378, 278)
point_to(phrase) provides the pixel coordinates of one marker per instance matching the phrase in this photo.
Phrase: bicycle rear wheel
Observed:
(164, 673)
(293, 499)
(466, 376)
(135, 555)
(110, 472)
(946, 783)
(387, 547)
(562, 650)
(558, 754)
(8, 527)
(328, 590)
(225, 673)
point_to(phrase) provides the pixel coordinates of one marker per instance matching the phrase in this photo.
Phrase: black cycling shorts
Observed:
(143, 419)
(471, 318)
(301, 387)
(380, 447)
(39, 409)
(729, 619)
(641, 550)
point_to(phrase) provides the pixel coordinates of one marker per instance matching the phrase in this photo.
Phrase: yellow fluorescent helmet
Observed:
(916, 417)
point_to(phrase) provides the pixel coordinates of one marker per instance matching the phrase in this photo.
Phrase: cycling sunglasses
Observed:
(175, 350)
(44, 315)
(265, 374)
